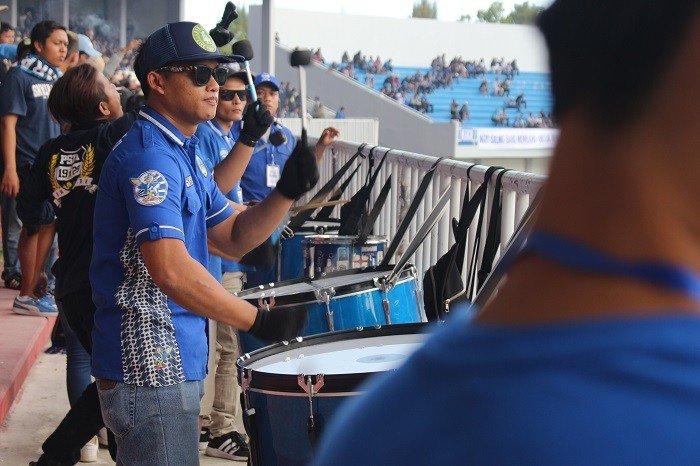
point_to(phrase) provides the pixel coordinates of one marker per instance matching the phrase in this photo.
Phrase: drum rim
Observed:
(262, 381)
(309, 297)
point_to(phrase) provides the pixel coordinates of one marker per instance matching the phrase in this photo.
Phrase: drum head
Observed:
(342, 240)
(344, 358)
(300, 291)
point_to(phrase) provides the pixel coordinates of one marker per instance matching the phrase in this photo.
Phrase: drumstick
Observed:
(316, 205)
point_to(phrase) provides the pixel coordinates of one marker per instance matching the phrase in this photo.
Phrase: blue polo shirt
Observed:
(620, 391)
(153, 185)
(254, 180)
(214, 146)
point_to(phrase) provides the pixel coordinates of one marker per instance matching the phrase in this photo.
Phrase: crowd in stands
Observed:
(414, 90)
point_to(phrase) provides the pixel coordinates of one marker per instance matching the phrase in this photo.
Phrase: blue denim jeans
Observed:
(78, 360)
(11, 227)
(153, 425)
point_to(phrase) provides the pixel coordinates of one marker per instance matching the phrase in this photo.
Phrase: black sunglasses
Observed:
(202, 73)
(227, 94)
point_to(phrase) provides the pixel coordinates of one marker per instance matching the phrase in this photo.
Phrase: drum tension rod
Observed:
(325, 296)
(311, 389)
(384, 286)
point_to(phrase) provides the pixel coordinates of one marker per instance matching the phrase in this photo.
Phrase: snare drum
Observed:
(332, 253)
(342, 300)
(292, 390)
(291, 263)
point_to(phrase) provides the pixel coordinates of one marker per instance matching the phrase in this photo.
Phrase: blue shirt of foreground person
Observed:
(156, 207)
(589, 354)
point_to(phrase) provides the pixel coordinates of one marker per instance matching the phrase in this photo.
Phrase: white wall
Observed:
(410, 42)
(351, 129)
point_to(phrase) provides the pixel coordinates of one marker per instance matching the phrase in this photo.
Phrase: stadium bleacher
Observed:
(535, 86)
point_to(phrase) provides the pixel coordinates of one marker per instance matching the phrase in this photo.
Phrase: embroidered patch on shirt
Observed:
(201, 166)
(188, 181)
(150, 188)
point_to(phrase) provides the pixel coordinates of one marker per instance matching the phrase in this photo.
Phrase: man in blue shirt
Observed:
(157, 205)
(25, 125)
(589, 353)
(220, 408)
(270, 154)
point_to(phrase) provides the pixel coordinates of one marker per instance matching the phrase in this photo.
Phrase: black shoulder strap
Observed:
(325, 213)
(376, 210)
(300, 218)
(406, 222)
(473, 262)
(493, 237)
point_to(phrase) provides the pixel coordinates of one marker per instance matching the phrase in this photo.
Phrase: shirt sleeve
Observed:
(12, 99)
(219, 208)
(152, 184)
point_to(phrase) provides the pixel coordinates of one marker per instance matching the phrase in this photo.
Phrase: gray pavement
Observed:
(39, 407)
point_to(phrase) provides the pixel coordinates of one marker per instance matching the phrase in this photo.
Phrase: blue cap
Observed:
(85, 46)
(267, 78)
(178, 42)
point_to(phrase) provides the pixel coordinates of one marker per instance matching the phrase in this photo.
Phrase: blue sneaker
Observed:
(34, 307)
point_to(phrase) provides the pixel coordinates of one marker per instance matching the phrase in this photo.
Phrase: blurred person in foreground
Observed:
(590, 351)
(157, 206)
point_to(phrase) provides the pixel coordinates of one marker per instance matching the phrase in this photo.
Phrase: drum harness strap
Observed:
(298, 220)
(311, 387)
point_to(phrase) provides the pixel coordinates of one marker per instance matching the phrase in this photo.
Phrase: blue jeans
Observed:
(78, 361)
(153, 425)
(11, 226)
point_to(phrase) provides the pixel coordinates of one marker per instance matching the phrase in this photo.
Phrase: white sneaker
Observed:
(88, 454)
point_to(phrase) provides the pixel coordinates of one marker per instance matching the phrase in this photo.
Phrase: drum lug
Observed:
(325, 297)
(310, 388)
(384, 287)
(246, 375)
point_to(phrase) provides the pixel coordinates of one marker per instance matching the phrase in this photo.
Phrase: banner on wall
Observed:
(509, 138)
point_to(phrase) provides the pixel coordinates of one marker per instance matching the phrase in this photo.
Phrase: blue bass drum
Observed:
(342, 300)
(292, 390)
(291, 260)
(332, 253)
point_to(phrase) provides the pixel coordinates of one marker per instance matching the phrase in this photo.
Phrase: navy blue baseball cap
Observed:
(178, 42)
(267, 78)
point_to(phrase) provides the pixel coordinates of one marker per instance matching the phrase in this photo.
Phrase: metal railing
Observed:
(407, 170)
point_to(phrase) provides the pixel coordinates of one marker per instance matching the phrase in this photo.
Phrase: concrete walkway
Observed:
(39, 407)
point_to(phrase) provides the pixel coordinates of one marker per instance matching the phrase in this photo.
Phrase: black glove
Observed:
(220, 33)
(279, 324)
(256, 121)
(300, 173)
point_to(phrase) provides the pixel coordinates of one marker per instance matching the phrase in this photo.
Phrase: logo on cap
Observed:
(265, 77)
(203, 39)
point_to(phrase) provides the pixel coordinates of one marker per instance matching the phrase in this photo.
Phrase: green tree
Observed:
(523, 13)
(424, 9)
(465, 19)
(493, 14)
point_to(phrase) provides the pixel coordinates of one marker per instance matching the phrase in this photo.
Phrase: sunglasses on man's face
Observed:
(227, 94)
(202, 73)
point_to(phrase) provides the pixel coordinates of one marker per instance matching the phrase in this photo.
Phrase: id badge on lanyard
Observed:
(272, 171)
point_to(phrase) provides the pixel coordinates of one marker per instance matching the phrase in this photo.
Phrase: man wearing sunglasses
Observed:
(269, 158)
(220, 412)
(157, 205)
